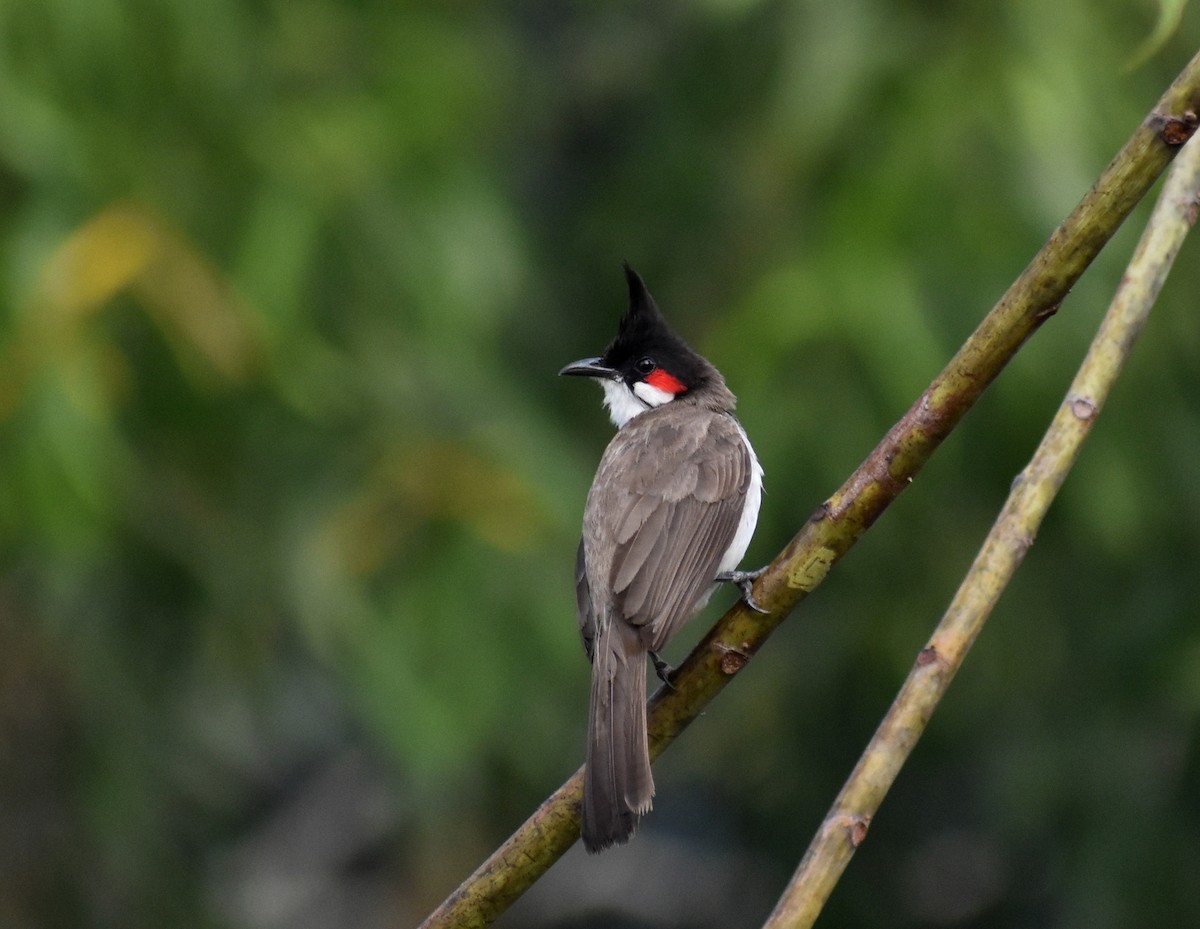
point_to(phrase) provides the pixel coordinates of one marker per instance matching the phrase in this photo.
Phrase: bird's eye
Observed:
(645, 365)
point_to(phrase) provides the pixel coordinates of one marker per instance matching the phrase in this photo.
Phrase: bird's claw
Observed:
(745, 582)
(662, 669)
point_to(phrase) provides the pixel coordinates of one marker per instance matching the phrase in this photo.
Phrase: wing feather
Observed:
(584, 609)
(641, 558)
(665, 506)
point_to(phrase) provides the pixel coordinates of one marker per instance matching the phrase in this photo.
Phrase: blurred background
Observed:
(289, 490)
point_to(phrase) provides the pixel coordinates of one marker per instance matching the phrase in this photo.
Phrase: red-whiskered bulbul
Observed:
(670, 514)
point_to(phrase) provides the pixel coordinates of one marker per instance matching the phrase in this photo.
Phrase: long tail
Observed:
(617, 785)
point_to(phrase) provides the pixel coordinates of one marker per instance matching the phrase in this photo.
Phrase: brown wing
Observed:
(666, 500)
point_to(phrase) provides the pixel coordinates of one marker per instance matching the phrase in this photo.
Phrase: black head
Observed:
(648, 365)
(646, 349)
(645, 343)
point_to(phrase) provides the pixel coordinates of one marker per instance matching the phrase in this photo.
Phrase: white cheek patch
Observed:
(621, 402)
(651, 395)
(624, 404)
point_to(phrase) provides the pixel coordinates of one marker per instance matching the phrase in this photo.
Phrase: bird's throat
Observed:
(623, 404)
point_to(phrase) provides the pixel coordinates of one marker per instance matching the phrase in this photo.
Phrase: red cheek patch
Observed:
(665, 381)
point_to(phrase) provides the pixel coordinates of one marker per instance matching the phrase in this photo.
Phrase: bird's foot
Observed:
(662, 669)
(745, 581)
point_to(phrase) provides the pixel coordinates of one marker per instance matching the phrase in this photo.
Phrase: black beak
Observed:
(589, 367)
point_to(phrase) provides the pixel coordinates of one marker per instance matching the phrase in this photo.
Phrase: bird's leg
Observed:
(662, 669)
(745, 581)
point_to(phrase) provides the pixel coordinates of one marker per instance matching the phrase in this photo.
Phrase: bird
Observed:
(669, 516)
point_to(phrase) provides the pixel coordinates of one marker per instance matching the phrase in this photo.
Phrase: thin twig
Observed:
(845, 826)
(838, 523)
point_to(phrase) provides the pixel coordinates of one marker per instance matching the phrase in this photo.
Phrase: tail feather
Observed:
(617, 784)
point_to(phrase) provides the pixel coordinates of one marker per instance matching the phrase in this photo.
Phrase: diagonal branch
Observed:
(845, 826)
(838, 523)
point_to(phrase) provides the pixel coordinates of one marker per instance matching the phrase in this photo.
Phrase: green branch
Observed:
(846, 824)
(838, 523)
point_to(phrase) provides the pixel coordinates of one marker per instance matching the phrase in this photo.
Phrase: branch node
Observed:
(856, 827)
(1084, 408)
(1175, 130)
(1046, 312)
(732, 659)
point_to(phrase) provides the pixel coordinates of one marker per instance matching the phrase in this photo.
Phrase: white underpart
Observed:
(624, 404)
(749, 517)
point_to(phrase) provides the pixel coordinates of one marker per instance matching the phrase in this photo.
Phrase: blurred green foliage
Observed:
(289, 492)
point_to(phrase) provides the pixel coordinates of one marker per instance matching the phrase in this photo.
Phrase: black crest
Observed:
(644, 333)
